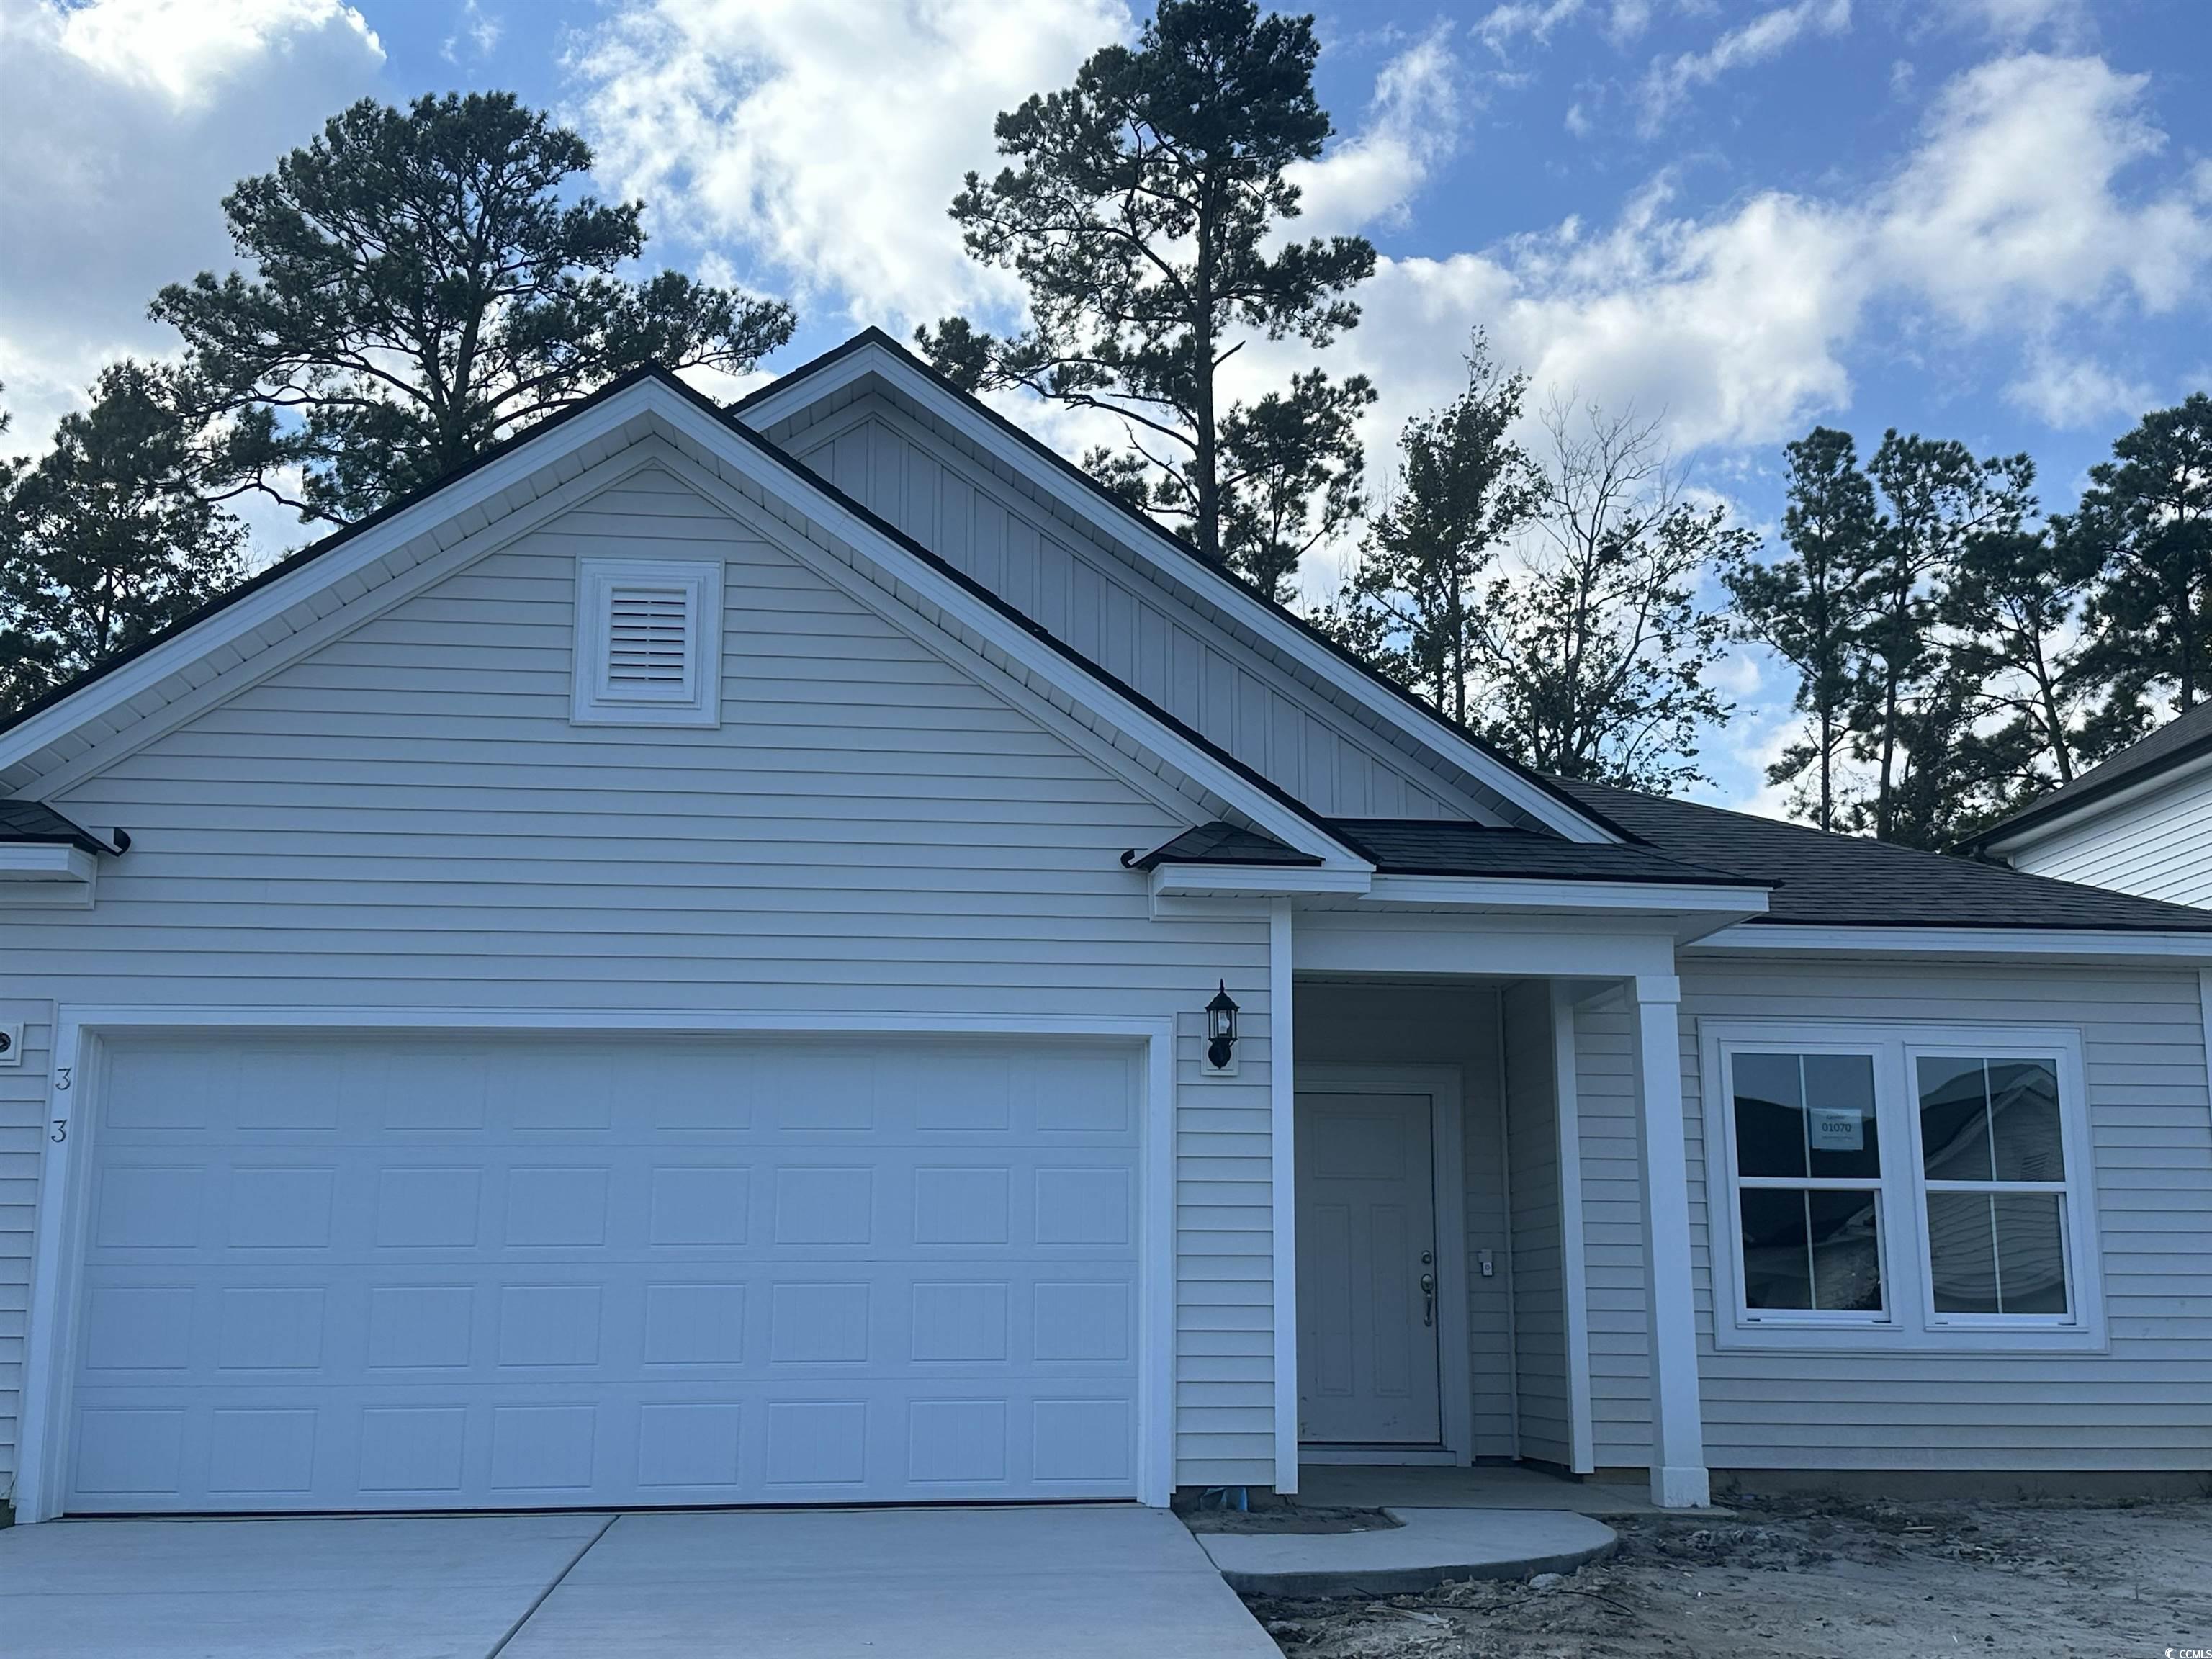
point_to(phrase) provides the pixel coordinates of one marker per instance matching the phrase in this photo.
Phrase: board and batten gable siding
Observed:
(2144, 1405)
(1131, 626)
(406, 817)
(2157, 845)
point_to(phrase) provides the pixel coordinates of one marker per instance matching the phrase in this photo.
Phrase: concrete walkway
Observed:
(1103, 1583)
(1428, 1547)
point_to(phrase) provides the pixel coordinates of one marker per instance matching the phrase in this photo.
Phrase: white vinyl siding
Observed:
(406, 817)
(1128, 624)
(2140, 1403)
(2157, 845)
(1539, 1317)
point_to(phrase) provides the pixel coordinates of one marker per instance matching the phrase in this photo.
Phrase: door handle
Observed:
(1428, 1298)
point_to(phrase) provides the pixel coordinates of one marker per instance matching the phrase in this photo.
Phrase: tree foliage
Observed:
(1413, 602)
(1809, 609)
(424, 284)
(106, 538)
(1549, 603)
(1938, 499)
(1963, 655)
(1144, 216)
(1599, 649)
(2145, 523)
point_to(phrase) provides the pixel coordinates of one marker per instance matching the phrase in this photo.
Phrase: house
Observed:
(2139, 823)
(804, 954)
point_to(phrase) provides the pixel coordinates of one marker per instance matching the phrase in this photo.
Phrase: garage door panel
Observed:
(608, 1274)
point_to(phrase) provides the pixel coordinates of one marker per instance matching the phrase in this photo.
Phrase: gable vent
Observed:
(648, 636)
(648, 642)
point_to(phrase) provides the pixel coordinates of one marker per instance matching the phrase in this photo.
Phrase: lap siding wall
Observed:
(2141, 1406)
(407, 818)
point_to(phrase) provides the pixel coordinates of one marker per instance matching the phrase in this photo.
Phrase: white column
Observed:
(1283, 1100)
(1678, 1440)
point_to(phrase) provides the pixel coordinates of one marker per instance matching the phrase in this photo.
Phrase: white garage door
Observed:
(413, 1272)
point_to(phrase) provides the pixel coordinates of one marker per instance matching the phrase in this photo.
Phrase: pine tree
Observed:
(422, 285)
(1145, 220)
(105, 540)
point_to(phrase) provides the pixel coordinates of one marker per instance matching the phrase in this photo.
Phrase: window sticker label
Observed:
(1838, 1129)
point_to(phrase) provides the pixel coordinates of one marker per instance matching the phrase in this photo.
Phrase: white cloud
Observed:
(481, 30)
(191, 50)
(1671, 81)
(1738, 323)
(828, 140)
(2062, 391)
(2013, 203)
(1501, 25)
(122, 125)
(2013, 21)
(1413, 123)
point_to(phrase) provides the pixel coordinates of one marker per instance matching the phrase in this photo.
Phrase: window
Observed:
(1900, 1187)
(1808, 1193)
(648, 643)
(1995, 1174)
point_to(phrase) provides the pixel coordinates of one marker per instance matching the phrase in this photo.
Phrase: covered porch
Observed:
(1489, 1216)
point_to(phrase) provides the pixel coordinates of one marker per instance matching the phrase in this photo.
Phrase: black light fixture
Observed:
(1220, 1028)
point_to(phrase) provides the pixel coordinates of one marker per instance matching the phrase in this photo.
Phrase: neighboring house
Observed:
(2140, 823)
(677, 967)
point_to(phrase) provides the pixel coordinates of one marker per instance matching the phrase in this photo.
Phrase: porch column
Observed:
(1283, 1102)
(1678, 1439)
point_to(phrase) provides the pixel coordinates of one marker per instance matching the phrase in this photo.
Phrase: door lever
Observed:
(1428, 1298)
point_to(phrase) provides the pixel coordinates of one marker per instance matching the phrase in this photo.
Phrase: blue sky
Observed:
(1984, 219)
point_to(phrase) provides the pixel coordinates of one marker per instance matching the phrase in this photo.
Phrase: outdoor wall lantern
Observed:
(1220, 1028)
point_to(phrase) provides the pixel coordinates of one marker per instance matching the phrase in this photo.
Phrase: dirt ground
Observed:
(1818, 1579)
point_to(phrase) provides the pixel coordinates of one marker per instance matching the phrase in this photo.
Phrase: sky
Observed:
(1988, 220)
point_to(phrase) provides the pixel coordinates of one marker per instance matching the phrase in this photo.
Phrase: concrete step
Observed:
(1428, 1549)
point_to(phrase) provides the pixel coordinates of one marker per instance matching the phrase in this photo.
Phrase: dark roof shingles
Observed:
(1852, 881)
(1438, 847)
(1221, 842)
(35, 822)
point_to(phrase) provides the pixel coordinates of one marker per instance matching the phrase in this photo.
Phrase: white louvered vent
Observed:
(648, 637)
(648, 642)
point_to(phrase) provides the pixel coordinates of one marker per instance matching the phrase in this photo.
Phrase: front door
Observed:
(1367, 1270)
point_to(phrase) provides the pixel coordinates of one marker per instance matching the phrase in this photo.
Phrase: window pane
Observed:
(2024, 1113)
(1769, 1115)
(1807, 1251)
(2031, 1252)
(1955, 1119)
(1846, 1251)
(1961, 1253)
(1841, 1133)
(1777, 1254)
(1997, 1253)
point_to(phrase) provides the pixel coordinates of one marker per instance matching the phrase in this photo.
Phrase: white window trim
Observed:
(1910, 1322)
(596, 703)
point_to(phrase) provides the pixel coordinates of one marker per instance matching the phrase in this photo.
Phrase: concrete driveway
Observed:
(1085, 1583)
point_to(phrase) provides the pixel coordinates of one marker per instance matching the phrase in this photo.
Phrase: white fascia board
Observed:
(1017, 643)
(2020, 944)
(1255, 881)
(2073, 818)
(46, 861)
(1174, 566)
(256, 610)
